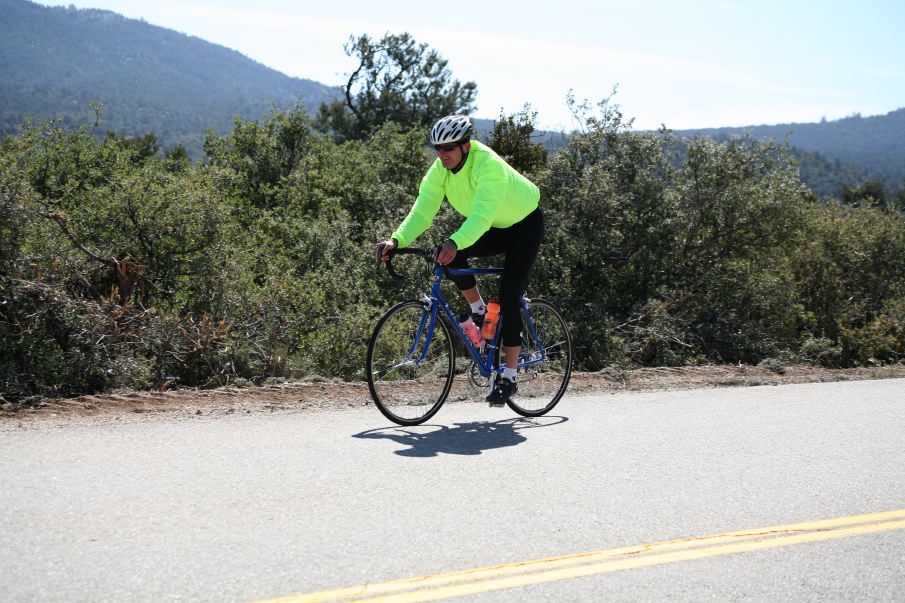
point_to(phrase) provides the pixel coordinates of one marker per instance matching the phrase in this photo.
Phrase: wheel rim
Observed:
(407, 389)
(542, 383)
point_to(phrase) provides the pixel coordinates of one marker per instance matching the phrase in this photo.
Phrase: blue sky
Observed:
(682, 63)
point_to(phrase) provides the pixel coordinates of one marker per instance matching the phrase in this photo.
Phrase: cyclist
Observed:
(502, 215)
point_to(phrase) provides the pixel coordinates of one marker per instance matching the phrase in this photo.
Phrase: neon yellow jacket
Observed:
(487, 191)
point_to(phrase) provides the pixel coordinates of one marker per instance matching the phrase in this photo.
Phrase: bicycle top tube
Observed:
(428, 253)
(464, 271)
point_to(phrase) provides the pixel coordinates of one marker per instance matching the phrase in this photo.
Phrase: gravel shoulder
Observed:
(294, 397)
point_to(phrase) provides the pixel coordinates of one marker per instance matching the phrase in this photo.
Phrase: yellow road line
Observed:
(614, 566)
(514, 575)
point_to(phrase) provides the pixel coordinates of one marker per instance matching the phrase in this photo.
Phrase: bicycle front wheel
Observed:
(545, 360)
(409, 364)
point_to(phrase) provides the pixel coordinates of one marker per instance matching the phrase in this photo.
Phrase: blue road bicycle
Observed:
(411, 359)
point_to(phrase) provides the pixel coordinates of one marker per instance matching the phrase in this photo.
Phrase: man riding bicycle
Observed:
(501, 214)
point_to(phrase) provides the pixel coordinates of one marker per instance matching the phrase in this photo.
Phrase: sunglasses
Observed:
(446, 148)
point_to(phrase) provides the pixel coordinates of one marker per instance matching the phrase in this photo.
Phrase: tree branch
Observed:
(60, 218)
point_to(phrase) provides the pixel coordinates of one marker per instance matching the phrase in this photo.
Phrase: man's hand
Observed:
(381, 252)
(446, 253)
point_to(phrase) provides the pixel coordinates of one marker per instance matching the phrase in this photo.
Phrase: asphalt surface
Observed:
(257, 507)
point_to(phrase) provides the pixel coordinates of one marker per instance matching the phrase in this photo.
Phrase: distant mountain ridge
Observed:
(857, 148)
(57, 60)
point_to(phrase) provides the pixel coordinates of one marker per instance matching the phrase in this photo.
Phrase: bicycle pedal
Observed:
(499, 404)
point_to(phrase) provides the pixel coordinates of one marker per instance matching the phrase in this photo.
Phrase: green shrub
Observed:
(121, 268)
(773, 364)
(821, 350)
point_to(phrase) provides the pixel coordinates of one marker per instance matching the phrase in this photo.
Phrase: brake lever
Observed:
(393, 274)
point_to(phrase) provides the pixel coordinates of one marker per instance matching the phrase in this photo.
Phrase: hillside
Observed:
(844, 151)
(56, 61)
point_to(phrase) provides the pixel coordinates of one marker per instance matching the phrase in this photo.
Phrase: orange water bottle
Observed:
(491, 319)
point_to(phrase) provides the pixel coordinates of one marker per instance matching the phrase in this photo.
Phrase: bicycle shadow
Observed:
(467, 439)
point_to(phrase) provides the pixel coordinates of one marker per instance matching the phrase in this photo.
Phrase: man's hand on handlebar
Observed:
(382, 250)
(446, 252)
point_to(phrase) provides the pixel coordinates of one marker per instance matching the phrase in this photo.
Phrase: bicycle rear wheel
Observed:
(548, 357)
(407, 389)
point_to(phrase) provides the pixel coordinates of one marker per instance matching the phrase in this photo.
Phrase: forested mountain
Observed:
(837, 153)
(56, 61)
(829, 177)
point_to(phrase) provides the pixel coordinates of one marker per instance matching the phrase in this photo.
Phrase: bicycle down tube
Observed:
(485, 367)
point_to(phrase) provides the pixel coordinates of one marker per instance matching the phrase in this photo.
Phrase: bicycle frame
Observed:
(436, 301)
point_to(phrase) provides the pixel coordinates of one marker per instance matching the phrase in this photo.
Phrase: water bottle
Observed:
(491, 319)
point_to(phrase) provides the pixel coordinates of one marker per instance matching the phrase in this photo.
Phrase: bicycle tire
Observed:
(541, 385)
(405, 391)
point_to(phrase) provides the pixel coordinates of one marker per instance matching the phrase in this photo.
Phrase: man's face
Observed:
(451, 158)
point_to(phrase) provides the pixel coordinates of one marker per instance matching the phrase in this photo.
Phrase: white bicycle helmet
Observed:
(452, 128)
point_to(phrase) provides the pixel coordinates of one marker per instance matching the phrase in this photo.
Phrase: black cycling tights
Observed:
(520, 242)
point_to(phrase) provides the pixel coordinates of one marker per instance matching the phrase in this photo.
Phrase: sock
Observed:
(509, 373)
(478, 307)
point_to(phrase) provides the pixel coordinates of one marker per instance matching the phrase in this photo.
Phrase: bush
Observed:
(851, 275)
(879, 341)
(773, 364)
(821, 350)
(121, 268)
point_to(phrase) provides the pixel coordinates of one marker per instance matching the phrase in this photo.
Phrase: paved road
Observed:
(257, 507)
